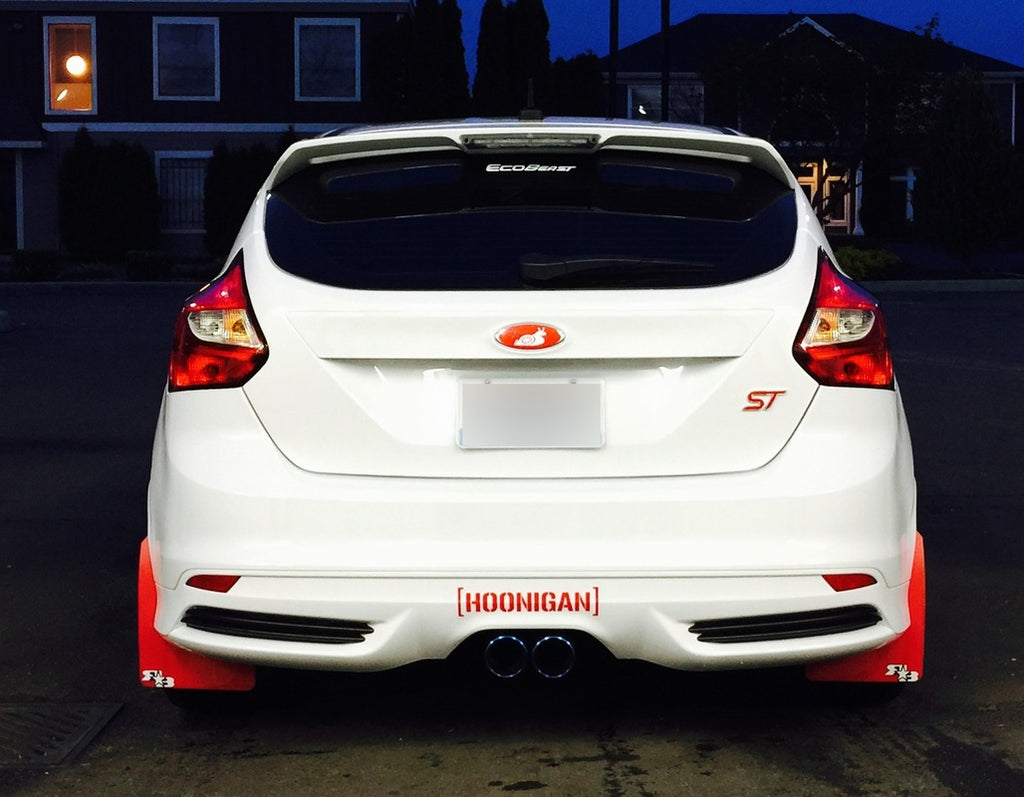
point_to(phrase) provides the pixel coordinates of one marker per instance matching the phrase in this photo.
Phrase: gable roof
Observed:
(698, 43)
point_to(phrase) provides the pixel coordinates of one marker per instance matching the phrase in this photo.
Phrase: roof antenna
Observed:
(530, 113)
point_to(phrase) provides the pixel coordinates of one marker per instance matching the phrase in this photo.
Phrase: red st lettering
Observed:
(762, 400)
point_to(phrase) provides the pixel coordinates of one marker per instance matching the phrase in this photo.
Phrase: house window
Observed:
(186, 58)
(827, 192)
(182, 178)
(685, 101)
(70, 45)
(326, 60)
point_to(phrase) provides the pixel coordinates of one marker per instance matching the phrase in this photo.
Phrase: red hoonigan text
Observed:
(530, 602)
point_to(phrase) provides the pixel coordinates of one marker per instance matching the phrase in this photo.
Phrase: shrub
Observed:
(232, 180)
(866, 264)
(30, 265)
(147, 264)
(109, 200)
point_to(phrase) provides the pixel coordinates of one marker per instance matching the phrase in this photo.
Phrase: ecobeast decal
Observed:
(527, 167)
(539, 602)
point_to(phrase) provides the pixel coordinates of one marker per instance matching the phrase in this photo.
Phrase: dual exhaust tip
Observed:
(552, 656)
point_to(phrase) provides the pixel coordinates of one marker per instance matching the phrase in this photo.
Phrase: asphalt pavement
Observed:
(81, 374)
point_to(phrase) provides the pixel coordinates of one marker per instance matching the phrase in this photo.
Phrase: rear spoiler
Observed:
(363, 142)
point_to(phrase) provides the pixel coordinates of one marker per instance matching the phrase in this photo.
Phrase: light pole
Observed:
(665, 53)
(613, 56)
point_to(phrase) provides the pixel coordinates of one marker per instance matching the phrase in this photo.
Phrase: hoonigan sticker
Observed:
(528, 602)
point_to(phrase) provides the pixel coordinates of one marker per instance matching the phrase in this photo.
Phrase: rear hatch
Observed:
(487, 306)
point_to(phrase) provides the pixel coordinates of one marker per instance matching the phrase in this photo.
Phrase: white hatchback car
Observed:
(514, 385)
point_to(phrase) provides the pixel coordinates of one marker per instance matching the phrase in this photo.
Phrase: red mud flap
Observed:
(166, 666)
(900, 661)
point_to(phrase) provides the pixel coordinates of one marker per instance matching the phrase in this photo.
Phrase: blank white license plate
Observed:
(500, 414)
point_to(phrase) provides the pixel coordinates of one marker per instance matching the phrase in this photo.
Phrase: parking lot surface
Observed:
(81, 372)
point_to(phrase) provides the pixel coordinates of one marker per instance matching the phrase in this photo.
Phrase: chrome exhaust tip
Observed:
(553, 657)
(506, 656)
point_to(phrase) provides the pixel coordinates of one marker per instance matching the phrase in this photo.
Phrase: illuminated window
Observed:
(326, 60)
(685, 101)
(186, 58)
(70, 64)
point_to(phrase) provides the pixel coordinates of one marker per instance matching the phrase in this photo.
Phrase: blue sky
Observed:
(990, 27)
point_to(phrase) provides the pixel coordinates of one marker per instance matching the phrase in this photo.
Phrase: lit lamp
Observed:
(76, 65)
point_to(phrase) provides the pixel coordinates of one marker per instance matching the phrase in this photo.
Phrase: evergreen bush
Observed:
(108, 198)
(232, 180)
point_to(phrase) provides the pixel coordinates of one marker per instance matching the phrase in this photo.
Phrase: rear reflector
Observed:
(844, 582)
(842, 340)
(213, 583)
(217, 342)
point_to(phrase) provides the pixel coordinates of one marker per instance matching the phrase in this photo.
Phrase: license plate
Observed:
(534, 414)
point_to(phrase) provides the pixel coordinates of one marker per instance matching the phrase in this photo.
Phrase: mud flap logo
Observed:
(902, 673)
(158, 679)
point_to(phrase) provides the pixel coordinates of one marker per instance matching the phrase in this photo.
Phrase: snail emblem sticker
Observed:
(529, 337)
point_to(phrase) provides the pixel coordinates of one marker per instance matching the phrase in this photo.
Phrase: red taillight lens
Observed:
(217, 342)
(842, 340)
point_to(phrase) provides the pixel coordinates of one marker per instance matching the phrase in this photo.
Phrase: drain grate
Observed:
(37, 735)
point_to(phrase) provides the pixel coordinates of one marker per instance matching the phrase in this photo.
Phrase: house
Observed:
(834, 92)
(177, 77)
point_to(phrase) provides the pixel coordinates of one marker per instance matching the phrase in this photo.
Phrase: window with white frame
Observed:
(70, 48)
(182, 178)
(327, 60)
(828, 192)
(186, 58)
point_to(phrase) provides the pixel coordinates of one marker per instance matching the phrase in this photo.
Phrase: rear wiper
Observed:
(540, 268)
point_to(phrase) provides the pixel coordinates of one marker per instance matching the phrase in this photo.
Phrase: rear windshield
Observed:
(454, 221)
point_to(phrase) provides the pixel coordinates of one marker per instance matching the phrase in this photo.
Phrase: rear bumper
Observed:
(634, 618)
(427, 563)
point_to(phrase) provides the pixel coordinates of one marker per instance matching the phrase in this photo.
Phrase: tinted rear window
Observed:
(452, 221)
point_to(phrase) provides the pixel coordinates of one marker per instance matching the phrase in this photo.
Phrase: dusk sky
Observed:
(990, 27)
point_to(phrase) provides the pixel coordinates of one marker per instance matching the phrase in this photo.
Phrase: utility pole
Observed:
(665, 57)
(613, 56)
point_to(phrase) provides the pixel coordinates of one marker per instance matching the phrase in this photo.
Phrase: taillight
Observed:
(217, 342)
(842, 340)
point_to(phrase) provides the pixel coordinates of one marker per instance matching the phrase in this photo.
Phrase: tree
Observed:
(577, 87)
(387, 70)
(437, 78)
(903, 95)
(451, 53)
(963, 196)
(418, 68)
(109, 199)
(530, 53)
(492, 86)
(232, 180)
(512, 52)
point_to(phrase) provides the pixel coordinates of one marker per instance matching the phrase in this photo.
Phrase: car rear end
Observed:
(509, 383)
